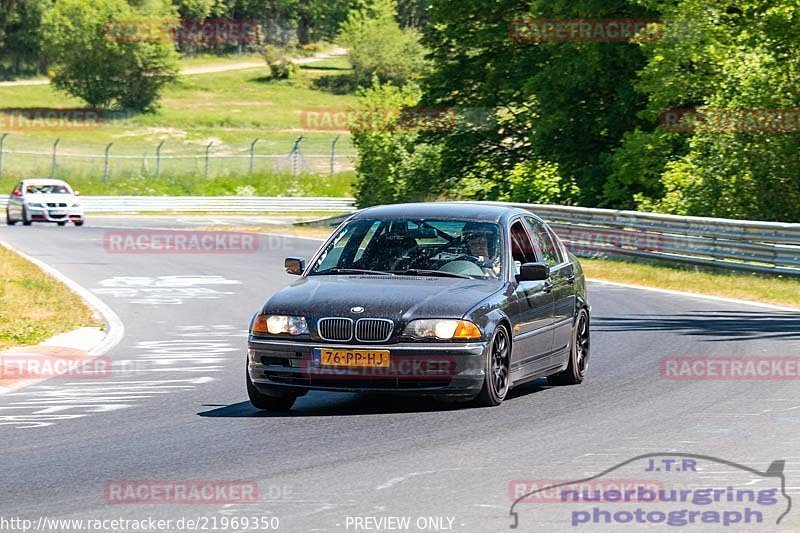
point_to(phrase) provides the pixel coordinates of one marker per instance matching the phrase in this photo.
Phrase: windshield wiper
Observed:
(423, 272)
(353, 271)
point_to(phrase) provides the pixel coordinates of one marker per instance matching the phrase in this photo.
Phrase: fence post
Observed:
(253, 153)
(158, 158)
(333, 154)
(208, 148)
(105, 165)
(55, 151)
(2, 139)
(296, 155)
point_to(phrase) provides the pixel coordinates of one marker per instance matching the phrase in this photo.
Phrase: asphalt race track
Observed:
(175, 406)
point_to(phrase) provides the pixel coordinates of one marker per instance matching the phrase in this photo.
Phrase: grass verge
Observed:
(753, 287)
(35, 306)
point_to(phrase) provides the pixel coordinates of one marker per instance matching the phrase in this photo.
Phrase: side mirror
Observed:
(294, 265)
(76, 193)
(533, 272)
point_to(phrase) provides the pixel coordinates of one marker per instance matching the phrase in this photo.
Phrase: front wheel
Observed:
(578, 356)
(497, 380)
(268, 403)
(25, 220)
(62, 223)
(78, 222)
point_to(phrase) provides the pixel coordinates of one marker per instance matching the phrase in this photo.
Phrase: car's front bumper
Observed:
(449, 369)
(54, 214)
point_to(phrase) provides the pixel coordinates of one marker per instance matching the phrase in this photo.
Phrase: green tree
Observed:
(20, 39)
(738, 59)
(98, 53)
(563, 103)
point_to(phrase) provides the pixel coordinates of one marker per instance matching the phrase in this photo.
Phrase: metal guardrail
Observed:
(211, 204)
(753, 246)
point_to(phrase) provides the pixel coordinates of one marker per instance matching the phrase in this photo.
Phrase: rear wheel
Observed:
(268, 403)
(496, 383)
(8, 219)
(579, 354)
(25, 220)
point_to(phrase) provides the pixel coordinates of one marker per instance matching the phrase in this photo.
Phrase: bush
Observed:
(280, 63)
(98, 54)
(379, 47)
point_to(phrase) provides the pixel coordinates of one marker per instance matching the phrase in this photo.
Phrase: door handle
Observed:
(548, 286)
(571, 279)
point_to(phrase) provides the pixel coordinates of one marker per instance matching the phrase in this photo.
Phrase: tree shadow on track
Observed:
(722, 326)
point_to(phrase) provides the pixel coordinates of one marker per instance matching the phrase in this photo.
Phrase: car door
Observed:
(531, 307)
(562, 277)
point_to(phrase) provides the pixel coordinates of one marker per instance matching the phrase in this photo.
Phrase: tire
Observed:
(25, 220)
(497, 382)
(61, 223)
(578, 354)
(8, 219)
(276, 404)
(78, 222)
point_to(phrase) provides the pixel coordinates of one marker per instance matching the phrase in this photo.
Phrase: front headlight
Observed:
(443, 329)
(76, 205)
(34, 204)
(280, 324)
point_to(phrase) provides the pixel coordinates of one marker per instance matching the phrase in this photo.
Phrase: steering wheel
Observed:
(470, 258)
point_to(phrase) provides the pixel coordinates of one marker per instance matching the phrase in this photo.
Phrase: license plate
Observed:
(57, 213)
(353, 358)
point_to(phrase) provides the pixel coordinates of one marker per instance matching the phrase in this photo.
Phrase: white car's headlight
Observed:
(34, 204)
(280, 324)
(76, 205)
(443, 329)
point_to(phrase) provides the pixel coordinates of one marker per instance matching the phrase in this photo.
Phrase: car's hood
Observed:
(394, 297)
(51, 198)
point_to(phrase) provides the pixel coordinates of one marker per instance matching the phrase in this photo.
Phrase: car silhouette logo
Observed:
(357, 309)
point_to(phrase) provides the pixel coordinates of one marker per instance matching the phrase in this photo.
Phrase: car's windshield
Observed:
(421, 247)
(47, 189)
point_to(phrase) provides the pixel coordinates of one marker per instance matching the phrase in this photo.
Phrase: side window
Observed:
(522, 250)
(551, 252)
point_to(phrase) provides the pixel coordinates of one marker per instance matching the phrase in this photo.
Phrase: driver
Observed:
(481, 242)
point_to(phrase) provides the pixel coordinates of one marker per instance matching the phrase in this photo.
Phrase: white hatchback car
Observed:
(44, 200)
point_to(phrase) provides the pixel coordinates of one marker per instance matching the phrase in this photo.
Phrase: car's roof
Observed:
(43, 181)
(442, 210)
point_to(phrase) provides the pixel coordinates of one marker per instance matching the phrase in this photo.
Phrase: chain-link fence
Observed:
(116, 160)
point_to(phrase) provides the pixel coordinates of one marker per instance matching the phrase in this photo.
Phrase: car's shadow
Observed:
(351, 404)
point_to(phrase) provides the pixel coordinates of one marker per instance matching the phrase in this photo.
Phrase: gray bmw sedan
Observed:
(451, 299)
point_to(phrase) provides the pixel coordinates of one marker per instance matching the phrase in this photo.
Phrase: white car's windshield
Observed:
(47, 189)
(414, 246)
